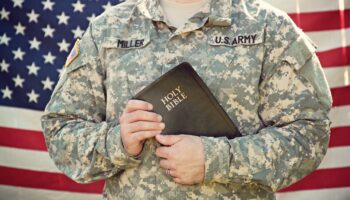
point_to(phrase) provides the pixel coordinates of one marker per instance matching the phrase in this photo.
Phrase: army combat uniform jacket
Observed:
(262, 69)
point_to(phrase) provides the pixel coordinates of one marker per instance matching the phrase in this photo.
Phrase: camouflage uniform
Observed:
(260, 66)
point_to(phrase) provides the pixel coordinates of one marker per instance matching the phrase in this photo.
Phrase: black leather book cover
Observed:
(186, 104)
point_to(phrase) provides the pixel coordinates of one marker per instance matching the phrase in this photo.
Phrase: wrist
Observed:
(217, 159)
(116, 151)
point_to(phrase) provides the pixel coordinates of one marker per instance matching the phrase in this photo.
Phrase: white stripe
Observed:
(30, 119)
(20, 193)
(327, 40)
(336, 157)
(324, 194)
(27, 159)
(20, 118)
(297, 6)
(340, 116)
(338, 76)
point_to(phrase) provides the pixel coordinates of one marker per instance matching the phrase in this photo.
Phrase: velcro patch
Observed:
(73, 53)
(247, 39)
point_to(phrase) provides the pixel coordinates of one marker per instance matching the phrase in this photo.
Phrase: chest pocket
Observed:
(129, 63)
(233, 57)
(235, 62)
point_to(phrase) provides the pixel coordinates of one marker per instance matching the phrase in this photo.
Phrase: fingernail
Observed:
(150, 106)
(162, 125)
(159, 118)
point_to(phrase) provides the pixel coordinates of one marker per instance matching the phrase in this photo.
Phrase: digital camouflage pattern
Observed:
(260, 66)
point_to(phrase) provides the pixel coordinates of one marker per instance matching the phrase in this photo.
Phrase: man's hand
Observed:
(137, 124)
(183, 156)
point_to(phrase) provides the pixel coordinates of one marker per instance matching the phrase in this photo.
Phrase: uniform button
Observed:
(199, 34)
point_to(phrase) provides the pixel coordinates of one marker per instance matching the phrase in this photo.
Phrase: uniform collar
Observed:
(218, 12)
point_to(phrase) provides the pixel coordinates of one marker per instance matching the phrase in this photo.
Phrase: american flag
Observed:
(35, 39)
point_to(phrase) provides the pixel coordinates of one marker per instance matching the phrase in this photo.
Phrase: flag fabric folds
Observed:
(37, 36)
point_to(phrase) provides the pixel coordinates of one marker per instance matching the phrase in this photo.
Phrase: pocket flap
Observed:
(299, 51)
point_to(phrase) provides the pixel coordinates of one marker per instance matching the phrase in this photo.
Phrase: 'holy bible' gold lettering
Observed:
(173, 98)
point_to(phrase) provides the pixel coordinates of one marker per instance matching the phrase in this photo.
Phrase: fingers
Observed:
(169, 168)
(140, 115)
(133, 105)
(142, 135)
(164, 152)
(166, 164)
(143, 126)
(180, 181)
(168, 140)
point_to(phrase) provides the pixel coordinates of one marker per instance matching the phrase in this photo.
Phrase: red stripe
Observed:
(320, 21)
(321, 179)
(340, 136)
(33, 140)
(24, 139)
(335, 57)
(341, 96)
(45, 180)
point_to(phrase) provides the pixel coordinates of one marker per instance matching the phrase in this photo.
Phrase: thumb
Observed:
(168, 140)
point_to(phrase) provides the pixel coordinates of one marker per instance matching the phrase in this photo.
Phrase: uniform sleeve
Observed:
(79, 139)
(294, 105)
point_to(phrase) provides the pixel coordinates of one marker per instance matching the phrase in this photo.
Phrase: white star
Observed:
(34, 44)
(19, 28)
(78, 6)
(92, 17)
(33, 17)
(60, 72)
(48, 5)
(6, 93)
(107, 6)
(48, 31)
(33, 97)
(63, 45)
(33, 69)
(49, 58)
(4, 14)
(4, 66)
(18, 81)
(17, 3)
(77, 32)
(63, 18)
(4, 39)
(47, 84)
(18, 54)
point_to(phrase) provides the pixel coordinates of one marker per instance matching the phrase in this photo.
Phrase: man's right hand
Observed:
(137, 124)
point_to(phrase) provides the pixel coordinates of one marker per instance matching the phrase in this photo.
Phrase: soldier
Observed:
(262, 69)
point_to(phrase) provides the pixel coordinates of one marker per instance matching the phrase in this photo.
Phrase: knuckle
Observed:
(140, 114)
(172, 166)
(162, 163)
(159, 152)
(166, 154)
(170, 154)
(122, 118)
(126, 128)
(139, 125)
(136, 136)
(130, 103)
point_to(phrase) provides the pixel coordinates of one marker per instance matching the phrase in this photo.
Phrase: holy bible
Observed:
(187, 105)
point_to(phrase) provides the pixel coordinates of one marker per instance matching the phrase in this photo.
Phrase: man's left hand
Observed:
(183, 156)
